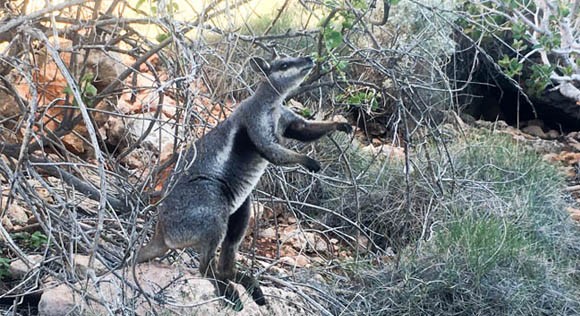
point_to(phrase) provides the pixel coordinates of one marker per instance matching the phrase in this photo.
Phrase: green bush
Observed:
(502, 244)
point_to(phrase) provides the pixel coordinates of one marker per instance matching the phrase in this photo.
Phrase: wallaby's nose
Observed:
(309, 60)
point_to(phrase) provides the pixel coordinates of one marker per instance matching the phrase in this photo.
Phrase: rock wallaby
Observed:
(209, 204)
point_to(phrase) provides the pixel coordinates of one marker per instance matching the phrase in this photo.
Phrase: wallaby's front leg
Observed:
(266, 144)
(295, 127)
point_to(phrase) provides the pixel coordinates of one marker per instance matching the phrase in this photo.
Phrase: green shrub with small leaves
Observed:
(500, 244)
(533, 41)
(4, 267)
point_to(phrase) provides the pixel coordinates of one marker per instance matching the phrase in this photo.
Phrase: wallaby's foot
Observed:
(344, 127)
(155, 248)
(311, 164)
(252, 287)
(258, 296)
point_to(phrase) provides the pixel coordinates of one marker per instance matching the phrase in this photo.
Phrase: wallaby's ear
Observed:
(260, 65)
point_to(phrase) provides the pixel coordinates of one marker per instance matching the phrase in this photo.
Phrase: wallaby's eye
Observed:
(284, 66)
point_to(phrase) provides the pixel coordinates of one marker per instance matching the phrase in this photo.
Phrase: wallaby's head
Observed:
(283, 74)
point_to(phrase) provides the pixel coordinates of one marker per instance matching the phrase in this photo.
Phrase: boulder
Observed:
(169, 290)
(15, 213)
(18, 268)
(534, 130)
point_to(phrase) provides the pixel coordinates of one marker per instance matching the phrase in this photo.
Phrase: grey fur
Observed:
(209, 204)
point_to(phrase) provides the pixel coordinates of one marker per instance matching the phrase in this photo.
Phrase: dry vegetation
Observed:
(418, 215)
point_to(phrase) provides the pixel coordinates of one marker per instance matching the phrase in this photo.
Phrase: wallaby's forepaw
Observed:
(344, 127)
(258, 296)
(311, 164)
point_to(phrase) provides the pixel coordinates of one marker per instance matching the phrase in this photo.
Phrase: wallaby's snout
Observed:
(308, 64)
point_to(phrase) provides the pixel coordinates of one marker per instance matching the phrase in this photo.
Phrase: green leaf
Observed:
(333, 4)
(139, 3)
(68, 90)
(394, 2)
(90, 90)
(4, 267)
(88, 77)
(161, 37)
(341, 65)
(563, 10)
(332, 39)
(568, 70)
(518, 30)
(38, 239)
(504, 61)
(305, 112)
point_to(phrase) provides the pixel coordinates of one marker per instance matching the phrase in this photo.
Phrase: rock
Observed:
(363, 242)
(376, 142)
(125, 131)
(172, 290)
(300, 261)
(315, 243)
(59, 302)
(18, 269)
(534, 130)
(535, 122)
(15, 213)
(7, 225)
(552, 134)
(574, 213)
(376, 129)
(339, 118)
(496, 125)
(467, 118)
(268, 233)
(81, 266)
(392, 153)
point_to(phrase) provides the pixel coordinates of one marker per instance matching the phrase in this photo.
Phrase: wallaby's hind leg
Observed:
(208, 269)
(155, 248)
(237, 224)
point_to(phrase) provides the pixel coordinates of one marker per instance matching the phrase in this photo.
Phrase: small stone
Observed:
(534, 130)
(81, 266)
(574, 213)
(535, 122)
(302, 261)
(319, 278)
(552, 134)
(268, 233)
(468, 119)
(18, 269)
(15, 213)
(7, 224)
(339, 118)
(501, 124)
